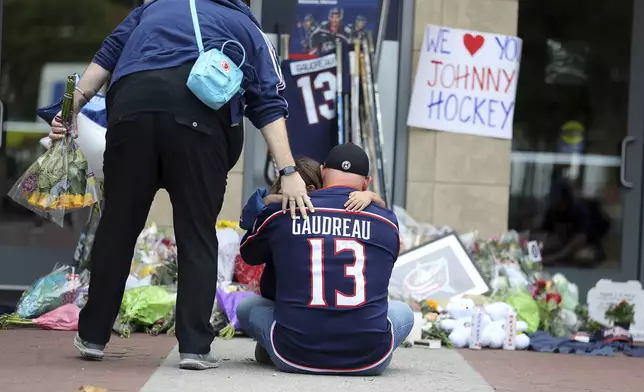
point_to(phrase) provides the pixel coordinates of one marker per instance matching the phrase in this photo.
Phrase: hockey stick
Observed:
(382, 30)
(339, 107)
(285, 40)
(374, 103)
(347, 116)
(369, 134)
(355, 95)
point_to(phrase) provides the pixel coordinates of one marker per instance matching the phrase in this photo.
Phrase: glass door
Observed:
(576, 181)
(43, 41)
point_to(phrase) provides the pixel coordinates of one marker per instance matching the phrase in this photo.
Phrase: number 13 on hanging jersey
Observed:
(311, 94)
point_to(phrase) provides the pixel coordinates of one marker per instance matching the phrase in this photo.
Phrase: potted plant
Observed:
(622, 314)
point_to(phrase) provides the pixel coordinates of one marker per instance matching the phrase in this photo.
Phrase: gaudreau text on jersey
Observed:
(313, 65)
(333, 226)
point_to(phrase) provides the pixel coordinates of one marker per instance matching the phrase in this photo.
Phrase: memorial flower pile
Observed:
(558, 300)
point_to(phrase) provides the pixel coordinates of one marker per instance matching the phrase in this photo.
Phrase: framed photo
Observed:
(440, 269)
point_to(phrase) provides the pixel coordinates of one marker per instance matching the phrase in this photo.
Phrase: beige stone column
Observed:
(459, 180)
(161, 211)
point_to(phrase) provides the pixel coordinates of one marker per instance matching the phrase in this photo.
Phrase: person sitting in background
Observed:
(331, 313)
(572, 228)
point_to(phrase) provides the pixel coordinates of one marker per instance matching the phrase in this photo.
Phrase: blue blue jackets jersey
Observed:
(254, 206)
(331, 276)
(311, 87)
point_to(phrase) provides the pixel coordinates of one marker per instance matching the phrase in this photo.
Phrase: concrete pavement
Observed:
(37, 360)
(411, 370)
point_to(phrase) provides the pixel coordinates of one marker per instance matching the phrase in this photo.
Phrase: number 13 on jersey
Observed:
(355, 271)
(324, 82)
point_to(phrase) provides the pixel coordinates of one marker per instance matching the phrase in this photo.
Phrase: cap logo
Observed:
(346, 165)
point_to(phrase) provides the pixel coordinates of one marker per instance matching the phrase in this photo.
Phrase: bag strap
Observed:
(240, 46)
(195, 24)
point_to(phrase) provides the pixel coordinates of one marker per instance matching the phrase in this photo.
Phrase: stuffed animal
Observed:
(494, 332)
(460, 311)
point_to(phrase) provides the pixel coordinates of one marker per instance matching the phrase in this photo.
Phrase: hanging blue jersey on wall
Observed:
(311, 87)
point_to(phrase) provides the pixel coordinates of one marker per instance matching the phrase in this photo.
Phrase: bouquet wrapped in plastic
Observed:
(229, 296)
(228, 251)
(58, 288)
(64, 318)
(60, 180)
(92, 126)
(146, 308)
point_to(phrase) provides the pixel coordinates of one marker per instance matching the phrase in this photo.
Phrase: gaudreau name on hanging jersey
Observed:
(332, 274)
(311, 87)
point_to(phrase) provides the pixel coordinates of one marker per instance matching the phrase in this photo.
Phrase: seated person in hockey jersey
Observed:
(331, 313)
(310, 171)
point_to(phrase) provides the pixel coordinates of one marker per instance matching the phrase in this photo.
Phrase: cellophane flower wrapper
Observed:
(249, 275)
(229, 296)
(228, 251)
(146, 305)
(60, 287)
(57, 183)
(64, 318)
(155, 256)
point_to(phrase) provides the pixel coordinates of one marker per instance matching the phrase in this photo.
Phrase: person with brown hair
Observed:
(311, 172)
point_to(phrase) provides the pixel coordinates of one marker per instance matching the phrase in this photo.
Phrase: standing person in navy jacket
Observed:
(328, 277)
(160, 135)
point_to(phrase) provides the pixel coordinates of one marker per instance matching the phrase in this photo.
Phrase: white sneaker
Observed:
(198, 361)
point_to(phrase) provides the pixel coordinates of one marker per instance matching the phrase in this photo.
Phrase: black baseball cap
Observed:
(348, 158)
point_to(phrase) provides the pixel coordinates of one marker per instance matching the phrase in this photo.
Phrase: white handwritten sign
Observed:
(466, 82)
(607, 293)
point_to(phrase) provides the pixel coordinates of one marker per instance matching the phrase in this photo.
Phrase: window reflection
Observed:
(571, 117)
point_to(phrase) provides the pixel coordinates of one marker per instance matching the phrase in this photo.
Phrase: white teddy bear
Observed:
(494, 332)
(492, 324)
(459, 325)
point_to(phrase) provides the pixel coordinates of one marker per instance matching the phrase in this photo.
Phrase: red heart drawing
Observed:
(472, 43)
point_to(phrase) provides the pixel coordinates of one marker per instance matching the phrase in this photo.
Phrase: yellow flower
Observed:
(33, 199)
(65, 201)
(548, 285)
(54, 202)
(226, 224)
(79, 201)
(145, 272)
(44, 201)
(431, 304)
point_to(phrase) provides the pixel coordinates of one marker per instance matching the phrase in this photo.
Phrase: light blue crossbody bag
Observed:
(214, 78)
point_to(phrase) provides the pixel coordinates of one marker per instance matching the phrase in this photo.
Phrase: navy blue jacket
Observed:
(160, 35)
(331, 278)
